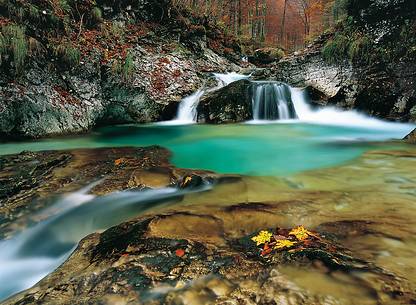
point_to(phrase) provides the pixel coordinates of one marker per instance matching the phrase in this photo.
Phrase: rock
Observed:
(49, 99)
(267, 55)
(227, 105)
(175, 259)
(411, 137)
(381, 87)
(316, 97)
(31, 181)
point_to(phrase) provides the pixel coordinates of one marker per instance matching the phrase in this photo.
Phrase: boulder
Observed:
(230, 104)
(265, 56)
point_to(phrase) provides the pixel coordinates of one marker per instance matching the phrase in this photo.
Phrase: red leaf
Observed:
(180, 252)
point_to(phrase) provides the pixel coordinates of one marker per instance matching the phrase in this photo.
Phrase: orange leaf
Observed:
(118, 161)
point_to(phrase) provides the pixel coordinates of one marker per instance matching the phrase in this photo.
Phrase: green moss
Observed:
(69, 54)
(97, 15)
(336, 49)
(360, 50)
(14, 43)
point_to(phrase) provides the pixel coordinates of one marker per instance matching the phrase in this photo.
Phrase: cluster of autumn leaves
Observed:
(284, 239)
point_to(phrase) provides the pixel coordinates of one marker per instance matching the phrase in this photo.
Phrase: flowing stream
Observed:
(286, 137)
(32, 254)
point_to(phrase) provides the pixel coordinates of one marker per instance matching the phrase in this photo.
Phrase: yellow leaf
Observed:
(262, 238)
(300, 233)
(283, 243)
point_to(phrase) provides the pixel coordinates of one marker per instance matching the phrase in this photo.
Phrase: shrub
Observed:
(124, 69)
(128, 66)
(35, 47)
(64, 6)
(117, 29)
(34, 12)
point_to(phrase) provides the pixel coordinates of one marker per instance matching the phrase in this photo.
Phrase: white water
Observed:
(271, 101)
(228, 78)
(306, 114)
(32, 254)
(337, 117)
(187, 110)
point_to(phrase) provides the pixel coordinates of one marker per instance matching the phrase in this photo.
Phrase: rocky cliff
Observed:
(114, 63)
(367, 62)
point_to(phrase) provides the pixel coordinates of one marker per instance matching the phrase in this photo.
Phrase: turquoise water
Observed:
(260, 150)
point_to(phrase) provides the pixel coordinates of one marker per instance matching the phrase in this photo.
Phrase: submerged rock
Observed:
(31, 181)
(200, 250)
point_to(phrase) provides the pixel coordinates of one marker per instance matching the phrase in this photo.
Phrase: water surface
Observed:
(261, 150)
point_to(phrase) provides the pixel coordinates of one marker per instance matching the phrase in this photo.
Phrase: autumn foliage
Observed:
(285, 23)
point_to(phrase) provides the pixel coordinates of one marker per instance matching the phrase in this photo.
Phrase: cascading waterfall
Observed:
(228, 78)
(187, 112)
(35, 252)
(276, 101)
(272, 101)
(187, 108)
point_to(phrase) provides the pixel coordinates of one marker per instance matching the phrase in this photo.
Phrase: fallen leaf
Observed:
(283, 243)
(118, 161)
(180, 252)
(262, 238)
(300, 233)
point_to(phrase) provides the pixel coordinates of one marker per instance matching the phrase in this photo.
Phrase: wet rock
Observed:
(228, 105)
(31, 181)
(146, 262)
(411, 137)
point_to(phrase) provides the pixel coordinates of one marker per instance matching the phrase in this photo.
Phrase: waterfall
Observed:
(187, 108)
(228, 78)
(187, 112)
(272, 101)
(334, 116)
